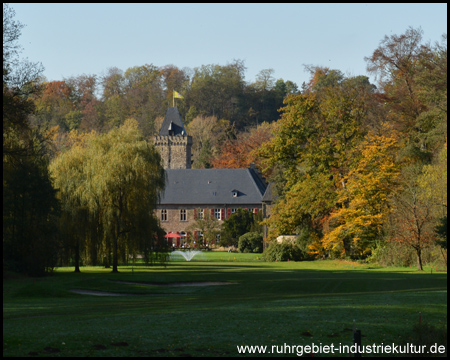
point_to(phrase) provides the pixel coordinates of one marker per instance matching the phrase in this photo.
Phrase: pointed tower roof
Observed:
(172, 124)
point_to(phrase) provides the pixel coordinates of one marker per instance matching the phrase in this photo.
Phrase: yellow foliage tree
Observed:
(364, 203)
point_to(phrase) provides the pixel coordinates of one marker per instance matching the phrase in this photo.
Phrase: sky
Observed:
(75, 39)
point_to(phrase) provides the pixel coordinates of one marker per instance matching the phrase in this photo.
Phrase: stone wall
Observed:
(175, 151)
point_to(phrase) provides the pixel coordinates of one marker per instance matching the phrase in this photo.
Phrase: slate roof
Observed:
(172, 121)
(213, 186)
(268, 195)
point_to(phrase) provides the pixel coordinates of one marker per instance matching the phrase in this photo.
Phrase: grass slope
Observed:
(297, 303)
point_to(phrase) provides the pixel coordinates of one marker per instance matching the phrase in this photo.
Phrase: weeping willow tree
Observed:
(117, 178)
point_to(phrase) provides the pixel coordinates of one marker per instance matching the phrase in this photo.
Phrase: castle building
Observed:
(191, 193)
(173, 142)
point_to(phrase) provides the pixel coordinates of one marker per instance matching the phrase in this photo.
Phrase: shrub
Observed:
(428, 335)
(283, 252)
(395, 254)
(305, 238)
(251, 242)
(238, 224)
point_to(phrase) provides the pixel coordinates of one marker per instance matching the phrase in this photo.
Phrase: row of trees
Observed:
(94, 102)
(94, 198)
(355, 167)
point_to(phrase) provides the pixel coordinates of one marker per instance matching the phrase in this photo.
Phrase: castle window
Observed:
(201, 213)
(183, 215)
(164, 215)
(217, 214)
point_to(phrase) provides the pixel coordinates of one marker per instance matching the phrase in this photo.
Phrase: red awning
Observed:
(172, 235)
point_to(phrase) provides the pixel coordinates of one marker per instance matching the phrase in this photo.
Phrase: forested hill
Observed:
(100, 102)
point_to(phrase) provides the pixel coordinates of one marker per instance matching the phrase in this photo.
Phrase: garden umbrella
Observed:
(172, 235)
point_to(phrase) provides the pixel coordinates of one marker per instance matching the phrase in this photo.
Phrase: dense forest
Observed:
(359, 170)
(213, 94)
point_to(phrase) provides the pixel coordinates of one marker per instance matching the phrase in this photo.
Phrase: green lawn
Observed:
(269, 304)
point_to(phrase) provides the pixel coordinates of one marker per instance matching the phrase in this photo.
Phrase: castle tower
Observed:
(173, 142)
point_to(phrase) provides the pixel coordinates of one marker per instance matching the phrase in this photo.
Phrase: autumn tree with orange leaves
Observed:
(55, 107)
(241, 152)
(412, 77)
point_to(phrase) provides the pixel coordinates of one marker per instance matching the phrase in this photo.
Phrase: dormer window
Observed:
(234, 193)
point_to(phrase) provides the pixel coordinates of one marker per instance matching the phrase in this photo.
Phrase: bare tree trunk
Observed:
(116, 237)
(445, 259)
(419, 259)
(77, 255)
(114, 270)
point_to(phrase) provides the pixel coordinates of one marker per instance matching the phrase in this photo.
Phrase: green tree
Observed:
(314, 147)
(208, 135)
(173, 79)
(441, 233)
(323, 77)
(30, 213)
(119, 176)
(217, 90)
(264, 97)
(204, 158)
(412, 223)
(264, 80)
(30, 208)
(208, 225)
(68, 175)
(136, 93)
(113, 84)
(433, 182)
(238, 224)
(144, 96)
(251, 242)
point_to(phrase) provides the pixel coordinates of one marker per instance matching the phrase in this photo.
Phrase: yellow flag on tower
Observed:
(177, 95)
